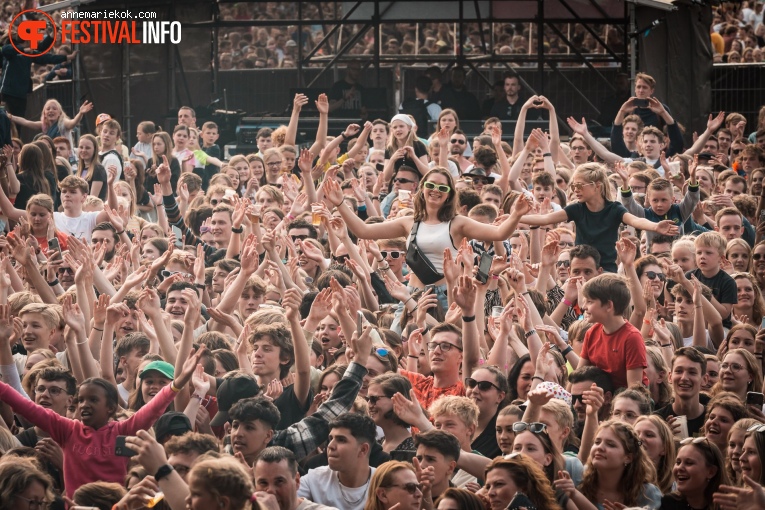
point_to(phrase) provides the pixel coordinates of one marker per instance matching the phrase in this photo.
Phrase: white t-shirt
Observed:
(80, 227)
(321, 485)
(109, 160)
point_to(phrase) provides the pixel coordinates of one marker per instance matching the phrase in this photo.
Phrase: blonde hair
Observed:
(383, 479)
(664, 476)
(462, 407)
(711, 239)
(596, 173)
(223, 477)
(49, 315)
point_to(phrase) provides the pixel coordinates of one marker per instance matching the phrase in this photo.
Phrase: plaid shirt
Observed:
(306, 435)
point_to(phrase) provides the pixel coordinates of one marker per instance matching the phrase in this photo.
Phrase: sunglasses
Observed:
(758, 256)
(455, 140)
(536, 427)
(340, 259)
(301, 237)
(482, 385)
(577, 186)
(564, 263)
(373, 399)
(576, 398)
(410, 487)
(756, 428)
(401, 180)
(736, 151)
(65, 270)
(652, 275)
(391, 254)
(702, 439)
(439, 187)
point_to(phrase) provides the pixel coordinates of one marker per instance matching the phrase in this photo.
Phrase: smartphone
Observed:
(640, 103)
(359, 322)
(483, 267)
(380, 167)
(178, 237)
(755, 399)
(121, 450)
(762, 324)
(54, 245)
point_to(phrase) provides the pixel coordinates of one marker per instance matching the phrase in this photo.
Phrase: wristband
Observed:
(163, 472)
(413, 356)
(468, 319)
(565, 351)
(54, 283)
(290, 217)
(101, 330)
(531, 332)
(534, 228)
(547, 155)
(200, 286)
(172, 387)
(537, 377)
(237, 230)
(525, 293)
(495, 277)
(666, 345)
(646, 321)
(198, 397)
(567, 303)
(120, 233)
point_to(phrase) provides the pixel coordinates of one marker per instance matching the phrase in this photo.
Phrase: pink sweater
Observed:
(88, 454)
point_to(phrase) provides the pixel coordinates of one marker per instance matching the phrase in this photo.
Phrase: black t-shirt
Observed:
(28, 438)
(723, 287)
(486, 443)
(27, 189)
(419, 151)
(598, 229)
(353, 103)
(290, 407)
(99, 175)
(151, 178)
(694, 424)
(675, 502)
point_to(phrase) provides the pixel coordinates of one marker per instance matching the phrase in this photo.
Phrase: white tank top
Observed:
(433, 240)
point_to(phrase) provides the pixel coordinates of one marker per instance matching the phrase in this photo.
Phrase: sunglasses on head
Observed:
(401, 180)
(756, 428)
(391, 254)
(695, 440)
(535, 427)
(438, 187)
(652, 275)
(482, 385)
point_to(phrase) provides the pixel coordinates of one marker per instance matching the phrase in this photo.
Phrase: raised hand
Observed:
(291, 302)
(200, 382)
(464, 294)
(667, 228)
(579, 128)
(299, 102)
(322, 104)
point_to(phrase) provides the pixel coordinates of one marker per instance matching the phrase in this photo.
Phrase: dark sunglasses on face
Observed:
(736, 151)
(564, 263)
(401, 180)
(410, 487)
(340, 259)
(575, 399)
(652, 275)
(455, 140)
(440, 187)
(391, 254)
(758, 256)
(373, 399)
(482, 385)
(302, 237)
(65, 270)
(535, 427)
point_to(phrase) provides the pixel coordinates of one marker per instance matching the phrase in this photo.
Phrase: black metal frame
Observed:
(472, 61)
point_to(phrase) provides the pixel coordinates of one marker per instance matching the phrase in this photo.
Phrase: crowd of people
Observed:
(387, 319)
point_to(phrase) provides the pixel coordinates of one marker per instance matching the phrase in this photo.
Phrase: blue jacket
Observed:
(678, 213)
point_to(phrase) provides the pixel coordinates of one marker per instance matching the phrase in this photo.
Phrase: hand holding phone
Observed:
(484, 266)
(121, 450)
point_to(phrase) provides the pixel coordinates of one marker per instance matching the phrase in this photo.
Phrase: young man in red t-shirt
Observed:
(612, 343)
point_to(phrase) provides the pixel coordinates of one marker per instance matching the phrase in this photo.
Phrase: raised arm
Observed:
(713, 124)
(322, 104)
(69, 124)
(21, 121)
(520, 125)
(361, 141)
(554, 130)
(603, 153)
(464, 295)
(297, 105)
(349, 132)
(291, 301)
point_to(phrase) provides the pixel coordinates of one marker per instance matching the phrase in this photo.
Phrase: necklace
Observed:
(345, 497)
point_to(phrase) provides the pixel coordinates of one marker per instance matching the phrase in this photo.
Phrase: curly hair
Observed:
(638, 472)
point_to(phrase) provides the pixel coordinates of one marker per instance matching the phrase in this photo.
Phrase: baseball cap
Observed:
(102, 117)
(172, 424)
(163, 367)
(231, 391)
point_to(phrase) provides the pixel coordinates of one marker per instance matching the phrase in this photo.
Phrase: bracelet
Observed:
(172, 387)
(534, 228)
(381, 261)
(567, 303)
(199, 397)
(410, 297)
(531, 332)
(290, 216)
(101, 330)
(468, 319)
(237, 230)
(413, 356)
(666, 345)
(375, 198)
(528, 292)
(547, 155)
(83, 342)
(537, 377)
(646, 321)
(54, 283)
(565, 351)
(495, 277)
(120, 233)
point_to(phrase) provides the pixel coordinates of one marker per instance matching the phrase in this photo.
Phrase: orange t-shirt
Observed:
(425, 390)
